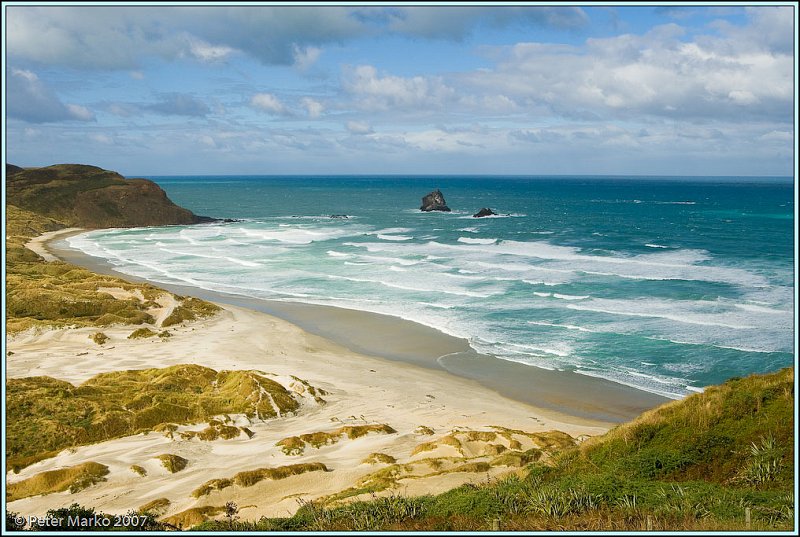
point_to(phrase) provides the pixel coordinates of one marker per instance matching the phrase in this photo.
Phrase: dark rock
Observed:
(211, 220)
(434, 202)
(484, 212)
(339, 216)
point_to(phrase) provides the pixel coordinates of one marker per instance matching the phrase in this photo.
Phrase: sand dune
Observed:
(360, 390)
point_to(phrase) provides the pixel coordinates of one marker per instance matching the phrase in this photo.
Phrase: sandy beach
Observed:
(361, 388)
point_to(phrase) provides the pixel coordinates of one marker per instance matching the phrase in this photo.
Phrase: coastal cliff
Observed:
(87, 196)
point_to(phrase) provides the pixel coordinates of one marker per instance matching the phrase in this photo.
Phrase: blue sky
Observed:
(369, 89)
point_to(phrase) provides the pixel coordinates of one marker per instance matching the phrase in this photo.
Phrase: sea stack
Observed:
(434, 202)
(484, 212)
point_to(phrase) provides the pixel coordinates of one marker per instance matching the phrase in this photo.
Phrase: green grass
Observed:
(46, 415)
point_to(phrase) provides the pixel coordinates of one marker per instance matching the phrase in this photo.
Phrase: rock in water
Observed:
(434, 202)
(484, 212)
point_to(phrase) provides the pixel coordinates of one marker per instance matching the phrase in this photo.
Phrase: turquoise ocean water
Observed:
(667, 285)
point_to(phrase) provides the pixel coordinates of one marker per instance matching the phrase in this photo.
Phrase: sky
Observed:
(519, 89)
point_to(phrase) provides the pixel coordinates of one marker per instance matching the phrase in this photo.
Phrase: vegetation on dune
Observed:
(251, 477)
(141, 333)
(379, 458)
(55, 294)
(192, 517)
(157, 506)
(73, 478)
(692, 465)
(99, 338)
(173, 463)
(295, 445)
(424, 429)
(111, 405)
(216, 430)
(138, 469)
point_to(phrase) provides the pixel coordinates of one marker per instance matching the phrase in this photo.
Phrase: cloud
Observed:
(207, 52)
(388, 92)
(266, 102)
(305, 57)
(457, 22)
(359, 127)
(178, 104)
(29, 99)
(660, 73)
(122, 37)
(313, 107)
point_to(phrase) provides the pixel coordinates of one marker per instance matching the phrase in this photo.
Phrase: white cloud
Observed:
(657, 74)
(305, 57)
(313, 107)
(80, 112)
(359, 127)
(207, 52)
(372, 91)
(267, 102)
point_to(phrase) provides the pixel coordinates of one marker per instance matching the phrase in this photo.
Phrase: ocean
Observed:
(664, 284)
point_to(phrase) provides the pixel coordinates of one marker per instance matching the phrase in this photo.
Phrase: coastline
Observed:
(561, 394)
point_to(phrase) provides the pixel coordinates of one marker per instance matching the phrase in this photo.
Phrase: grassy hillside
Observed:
(696, 464)
(91, 197)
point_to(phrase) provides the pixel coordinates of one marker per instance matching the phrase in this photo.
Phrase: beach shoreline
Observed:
(559, 393)
(420, 405)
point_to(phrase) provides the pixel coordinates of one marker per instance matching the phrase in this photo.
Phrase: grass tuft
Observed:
(73, 478)
(173, 463)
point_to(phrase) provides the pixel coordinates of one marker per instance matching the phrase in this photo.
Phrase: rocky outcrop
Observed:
(434, 202)
(484, 212)
(91, 197)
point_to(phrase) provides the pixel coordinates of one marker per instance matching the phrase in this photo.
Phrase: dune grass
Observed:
(173, 463)
(215, 430)
(295, 445)
(138, 469)
(141, 333)
(99, 337)
(111, 405)
(379, 458)
(251, 477)
(73, 478)
(155, 507)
